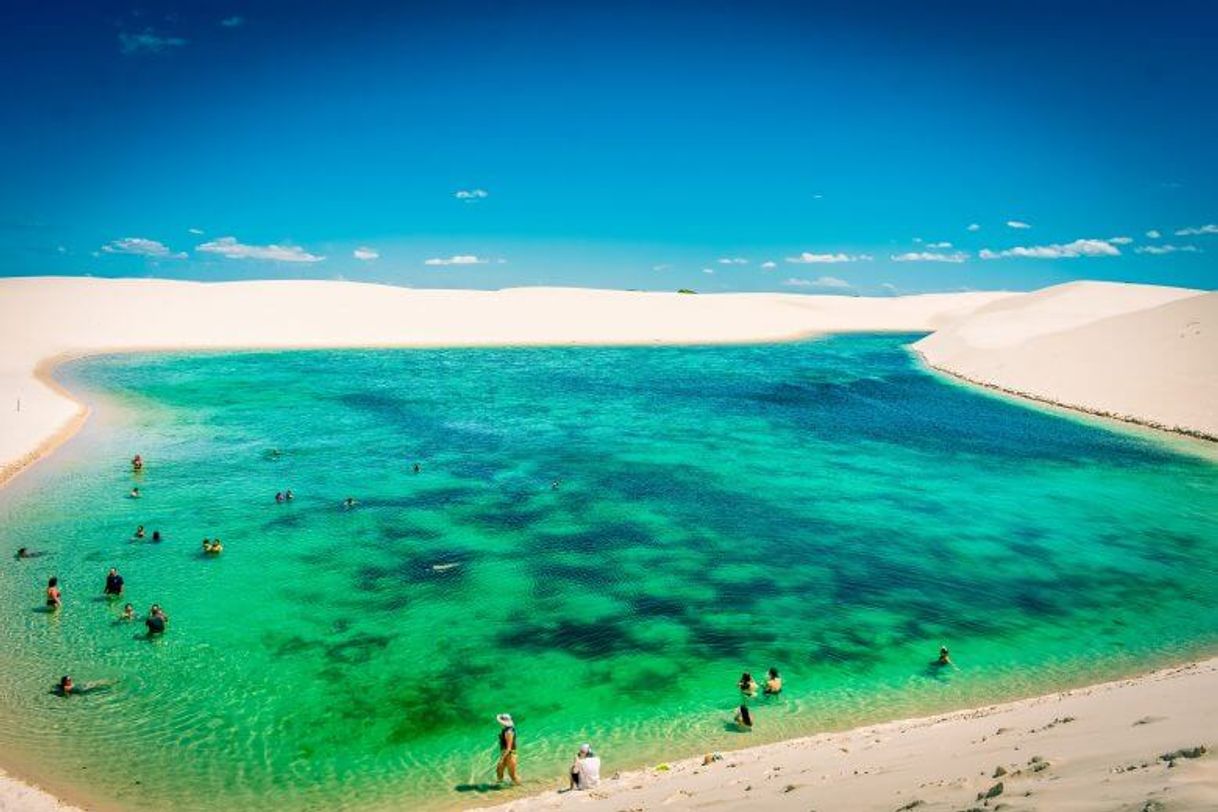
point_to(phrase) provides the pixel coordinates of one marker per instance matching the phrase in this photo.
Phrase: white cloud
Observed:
(1209, 228)
(1167, 249)
(917, 239)
(708, 270)
(1070, 250)
(769, 263)
(1018, 224)
(366, 253)
(817, 196)
(807, 258)
(974, 227)
(62, 249)
(1153, 234)
(930, 256)
(233, 22)
(456, 259)
(939, 245)
(818, 282)
(663, 266)
(1120, 240)
(195, 231)
(148, 42)
(733, 261)
(230, 248)
(471, 195)
(141, 247)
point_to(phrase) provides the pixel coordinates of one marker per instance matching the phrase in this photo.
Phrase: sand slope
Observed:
(1100, 748)
(1137, 352)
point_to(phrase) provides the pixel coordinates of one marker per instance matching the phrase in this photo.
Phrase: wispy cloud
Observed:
(147, 41)
(939, 245)
(195, 231)
(974, 227)
(1018, 224)
(1154, 234)
(230, 248)
(470, 195)
(807, 258)
(365, 253)
(456, 259)
(818, 282)
(930, 256)
(1070, 250)
(1120, 240)
(1167, 249)
(708, 271)
(1194, 231)
(663, 266)
(234, 21)
(768, 264)
(141, 247)
(732, 261)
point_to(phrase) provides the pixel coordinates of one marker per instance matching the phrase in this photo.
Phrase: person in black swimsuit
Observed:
(507, 749)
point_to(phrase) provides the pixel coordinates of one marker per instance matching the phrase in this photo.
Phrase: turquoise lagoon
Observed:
(825, 507)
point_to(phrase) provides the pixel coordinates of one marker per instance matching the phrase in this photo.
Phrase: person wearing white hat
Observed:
(507, 748)
(586, 769)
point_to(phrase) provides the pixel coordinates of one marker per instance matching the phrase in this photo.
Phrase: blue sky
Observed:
(847, 148)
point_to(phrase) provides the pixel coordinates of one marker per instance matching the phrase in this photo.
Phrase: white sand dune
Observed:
(1144, 353)
(1135, 352)
(1094, 749)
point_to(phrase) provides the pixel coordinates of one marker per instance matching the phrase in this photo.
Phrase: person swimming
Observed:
(744, 719)
(139, 532)
(212, 547)
(748, 686)
(156, 536)
(135, 493)
(417, 468)
(349, 503)
(114, 583)
(128, 612)
(137, 463)
(279, 497)
(54, 597)
(65, 686)
(156, 620)
(26, 552)
(773, 683)
(944, 657)
(288, 495)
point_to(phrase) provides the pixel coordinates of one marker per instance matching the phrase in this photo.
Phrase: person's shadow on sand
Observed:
(483, 787)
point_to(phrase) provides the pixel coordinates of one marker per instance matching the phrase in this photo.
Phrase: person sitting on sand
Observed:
(128, 612)
(54, 598)
(156, 620)
(744, 719)
(507, 749)
(156, 536)
(139, 532)
(748, 686)
(114, 583)
(586, 769)
(773, 683)
(944, 659)
(135, 493)
(137, 463)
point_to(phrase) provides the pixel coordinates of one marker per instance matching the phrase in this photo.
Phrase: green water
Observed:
(823, 507)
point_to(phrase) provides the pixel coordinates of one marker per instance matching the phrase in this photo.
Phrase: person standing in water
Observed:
(139, 532)
(507, 749)
(944, 658)
(773, 683)
(114, 583)
(137, 463)
(156, 536)
(135, 493)
(748, 685)
(54, 598)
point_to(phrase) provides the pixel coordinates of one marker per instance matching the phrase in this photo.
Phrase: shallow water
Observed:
(824, 507)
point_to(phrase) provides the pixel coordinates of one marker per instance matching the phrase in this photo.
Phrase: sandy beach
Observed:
(1105, 747)
(1140, 353)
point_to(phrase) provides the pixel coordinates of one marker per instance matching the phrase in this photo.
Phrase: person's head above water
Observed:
(54, 581)
(773, 673)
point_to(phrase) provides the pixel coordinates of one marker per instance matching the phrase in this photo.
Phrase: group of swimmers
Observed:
(212, 547)
(284, 496)
(139, 534)
(748, 689)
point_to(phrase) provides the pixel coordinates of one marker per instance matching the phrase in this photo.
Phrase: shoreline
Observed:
(1059, 730)
(932, 314)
